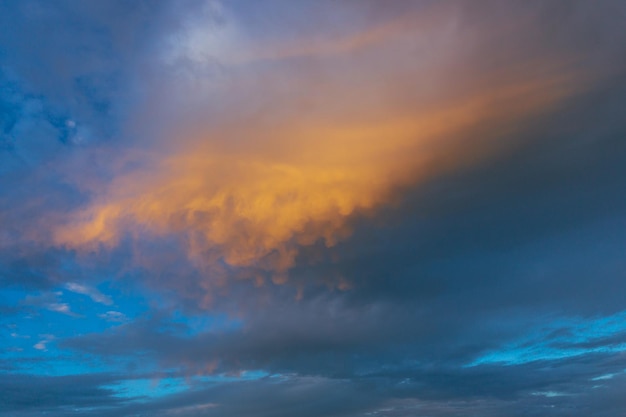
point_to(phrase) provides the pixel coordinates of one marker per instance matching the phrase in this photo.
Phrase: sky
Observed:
(312, 208)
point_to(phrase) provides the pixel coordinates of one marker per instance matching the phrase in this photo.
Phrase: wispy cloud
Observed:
(43, 343)
(114, 316)
(91, 292)
(49, 301)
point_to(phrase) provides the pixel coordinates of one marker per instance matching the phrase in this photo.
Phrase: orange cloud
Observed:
(251, 189)
(243, 206)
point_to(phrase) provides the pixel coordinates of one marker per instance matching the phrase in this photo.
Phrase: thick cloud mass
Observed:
(312, 208)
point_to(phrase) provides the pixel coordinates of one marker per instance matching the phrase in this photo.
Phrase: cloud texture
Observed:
(314, 208)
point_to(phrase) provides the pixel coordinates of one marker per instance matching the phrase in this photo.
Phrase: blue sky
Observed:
(313, 208)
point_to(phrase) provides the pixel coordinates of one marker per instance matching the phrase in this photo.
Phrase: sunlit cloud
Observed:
(252, 187)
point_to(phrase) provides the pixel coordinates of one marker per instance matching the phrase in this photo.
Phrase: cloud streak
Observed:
(91, 292)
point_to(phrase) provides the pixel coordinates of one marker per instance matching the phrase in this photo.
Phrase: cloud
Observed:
(42, 344)
(91, 292)
(113, 316)
(26, 395)
(281, 166)
(49, 301)
(328, 209)
(60, 308)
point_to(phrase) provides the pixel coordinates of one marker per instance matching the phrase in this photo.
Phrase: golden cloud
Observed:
(252, 189)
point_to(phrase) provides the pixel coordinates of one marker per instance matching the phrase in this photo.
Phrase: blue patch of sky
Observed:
(563, 338)
(146, 388)
(142, 388)
(40, 320)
